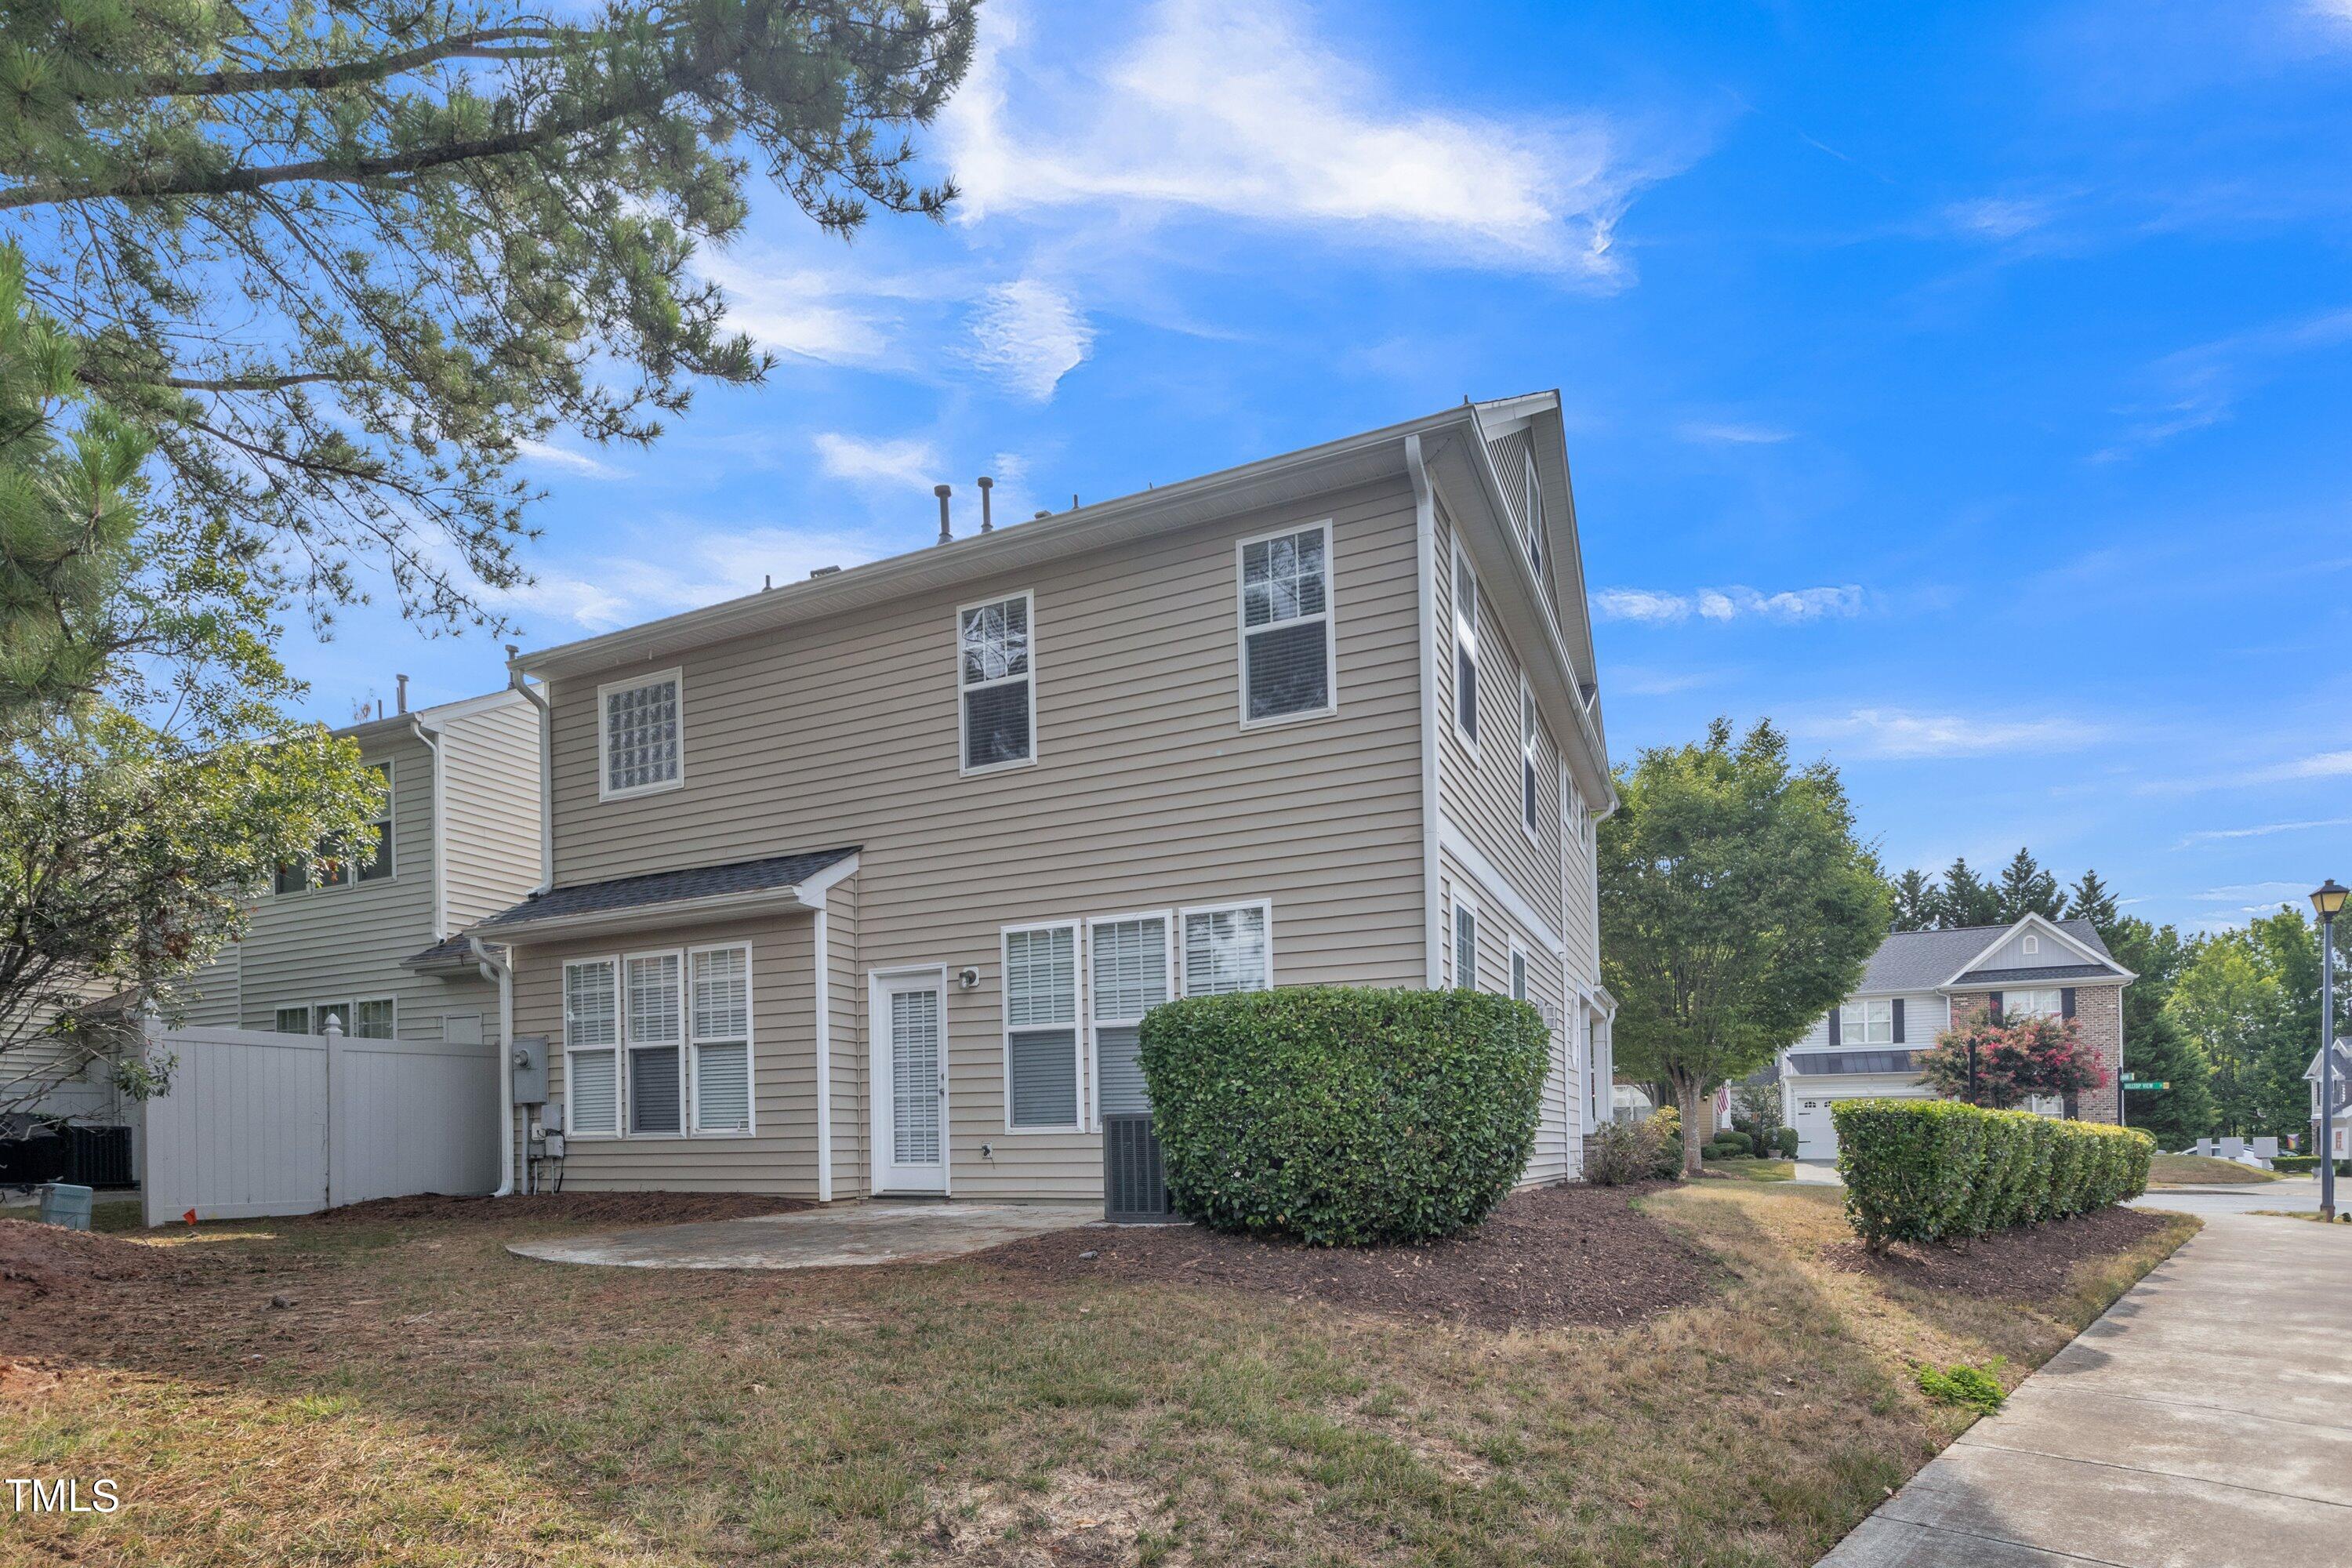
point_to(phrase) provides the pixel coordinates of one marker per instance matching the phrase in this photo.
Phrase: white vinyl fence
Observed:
(260, 1123)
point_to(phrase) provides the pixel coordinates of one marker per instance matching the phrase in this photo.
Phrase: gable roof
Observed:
(1913, 960)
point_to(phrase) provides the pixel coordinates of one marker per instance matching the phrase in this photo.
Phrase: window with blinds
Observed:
(1228, 949)
(1041, 1027)
(914, 1060)
(1518, 975)
(1465, 647)
(641, 727)
(1285, 608)
(720, 1019)
(592, 1035)
(1465, 945)
(1530, 753)
(1129, 973)
(657, 1061)
(995, 674)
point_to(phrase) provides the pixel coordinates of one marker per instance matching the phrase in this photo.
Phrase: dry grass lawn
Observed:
(2197, 1169)
(428, 1398)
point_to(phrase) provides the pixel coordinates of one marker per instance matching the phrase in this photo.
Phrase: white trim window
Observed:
(1532, 510)
(655, 1015)
(1041, 1027)
(640, 735)
(592, 1041)
(2031, 945)
(2034, 1002)
(718, 1036)
(1466, 648)
(1870, 1022)
(1228, 948)
(1466, 942)
(373, 1018)
(1530, 751)
(376, 863)
(1519, 992)
(1127, 957)
(1286, 650)
(293, 1021)
(996, 683)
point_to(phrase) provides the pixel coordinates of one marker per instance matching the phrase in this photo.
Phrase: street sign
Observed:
(2144, 1083)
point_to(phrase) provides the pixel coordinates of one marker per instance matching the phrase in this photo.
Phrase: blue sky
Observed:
(1964, 387)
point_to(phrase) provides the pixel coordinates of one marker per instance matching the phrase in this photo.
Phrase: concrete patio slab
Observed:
(842, 1236)
(2201, 1423)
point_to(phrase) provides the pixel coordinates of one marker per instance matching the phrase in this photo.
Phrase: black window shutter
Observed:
(1994, 1003)
(1898, 1020)
(2067, 1002)
(1835, 1037)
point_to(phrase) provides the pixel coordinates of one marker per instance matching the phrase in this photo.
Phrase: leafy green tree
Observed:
(1915, 897)
(2160, 1051)
(339, 264)
(1737, 906)
(2027, 890)
(1967, 899)
(2250, 1000)
(2090, 901)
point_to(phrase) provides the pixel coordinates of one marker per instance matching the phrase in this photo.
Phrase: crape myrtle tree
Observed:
(1999, 1064)
(338, 263)
(1737, 906)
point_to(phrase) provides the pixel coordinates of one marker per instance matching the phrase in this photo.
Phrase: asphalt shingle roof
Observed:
(2048, 972)
(448, 950)
(668, 887)
(1923, 960)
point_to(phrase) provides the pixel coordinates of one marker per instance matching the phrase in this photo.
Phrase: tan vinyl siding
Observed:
(489, 808)
(1560, 1125)
(1146, 792)
(209, 996)
(780, 1154)
(853, 1116)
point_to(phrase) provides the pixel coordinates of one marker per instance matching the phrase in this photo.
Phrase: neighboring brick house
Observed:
(1918, 984)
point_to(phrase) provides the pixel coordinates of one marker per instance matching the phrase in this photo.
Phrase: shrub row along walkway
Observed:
(2201, 1422)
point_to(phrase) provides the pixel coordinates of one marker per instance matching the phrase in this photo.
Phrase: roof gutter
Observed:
(440, 825)
(540, 700)
(653, 917)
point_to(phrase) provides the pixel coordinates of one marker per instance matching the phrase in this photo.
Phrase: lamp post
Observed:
(2328, 900)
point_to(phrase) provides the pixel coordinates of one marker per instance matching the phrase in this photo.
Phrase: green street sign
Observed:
(2143, 1083)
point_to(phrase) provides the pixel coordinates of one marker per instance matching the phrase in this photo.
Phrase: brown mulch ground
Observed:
(559, 1208)
(38, 1260)
(2029, 1263)
(1556, 1256)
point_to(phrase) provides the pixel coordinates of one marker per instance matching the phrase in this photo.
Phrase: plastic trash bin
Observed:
(64, 1203)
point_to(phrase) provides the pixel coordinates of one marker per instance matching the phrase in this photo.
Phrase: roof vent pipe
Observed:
(942, 492)
(987, 518)
(403, 692)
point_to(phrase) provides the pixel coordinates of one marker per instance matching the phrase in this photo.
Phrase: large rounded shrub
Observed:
(1344, 1116)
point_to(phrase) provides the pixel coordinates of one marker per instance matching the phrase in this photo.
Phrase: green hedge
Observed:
(1344, 1116)
(1937, 1170)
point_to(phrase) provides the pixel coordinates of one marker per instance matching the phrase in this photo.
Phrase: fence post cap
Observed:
(334, 1029)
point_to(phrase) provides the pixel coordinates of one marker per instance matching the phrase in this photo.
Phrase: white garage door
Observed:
(1816, 1138)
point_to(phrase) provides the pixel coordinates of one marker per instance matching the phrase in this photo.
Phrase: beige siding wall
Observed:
(853, 1113)
(1146, 792)
(780, 1153)
(490, 809)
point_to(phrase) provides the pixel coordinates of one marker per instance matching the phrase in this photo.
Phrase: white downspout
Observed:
(498, 969)
(540, 700)
(1424, 543)
(821, 985)
(440, 830)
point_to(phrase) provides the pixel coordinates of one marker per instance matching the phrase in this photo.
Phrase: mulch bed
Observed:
(557, 1208)
(2030, 1263)
(39, 1260)
(1543, 1260)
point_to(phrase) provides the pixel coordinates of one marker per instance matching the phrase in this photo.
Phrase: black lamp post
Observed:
(2328, 900)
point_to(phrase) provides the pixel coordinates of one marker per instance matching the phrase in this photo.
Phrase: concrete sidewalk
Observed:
(838, 1235)
(2205, 1421)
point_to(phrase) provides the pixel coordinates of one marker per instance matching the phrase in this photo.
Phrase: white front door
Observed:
(1816, 1134)
(910, 1079)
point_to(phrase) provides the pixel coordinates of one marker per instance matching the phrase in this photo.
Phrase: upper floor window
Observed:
(2047, 1002)
(1228, 949)
(1518, 974)
(1867, 1023)
(1286, 650)
(1465, 647)
(1533, 510)
(640, 726)
(996, 673)
(2031, 945)
(376, 845)
(1530, 750)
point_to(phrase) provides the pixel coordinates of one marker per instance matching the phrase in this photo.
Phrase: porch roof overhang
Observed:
(660, 900)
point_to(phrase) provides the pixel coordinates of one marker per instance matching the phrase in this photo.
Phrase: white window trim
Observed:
(1171, 922)
(1458, 900)
(1530, 758)
(630, 1045)
(620, 1087)
(1181, 975)
(1522, 971)
(1466, 634)
(2057, 994)
(303, 1009)
(605, 790)
(2029, 942)
(1077, 928)
(1847, 1041)
(1533, 498)
(750, 1127)
(391, 766)
(963, 767)
(1329, 617)
(351, 1013)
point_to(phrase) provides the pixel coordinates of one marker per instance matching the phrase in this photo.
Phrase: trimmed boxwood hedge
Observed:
(1938, 1170)
(1344, 1116)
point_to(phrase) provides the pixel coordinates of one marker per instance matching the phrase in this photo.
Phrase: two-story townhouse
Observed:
(2334, 1131)
(862, 884)
(374, 942)
(1919, 983)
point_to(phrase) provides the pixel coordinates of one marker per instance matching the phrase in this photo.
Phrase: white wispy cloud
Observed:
(2264, 829)
(909, 463)
(1999, 217)
(1656, 608)
(801, 310)
(564, 457)
(2199, 387)
(1241, 110)
(1732, 434)
(1903, 733)
(1032, 335)
(696, 565)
